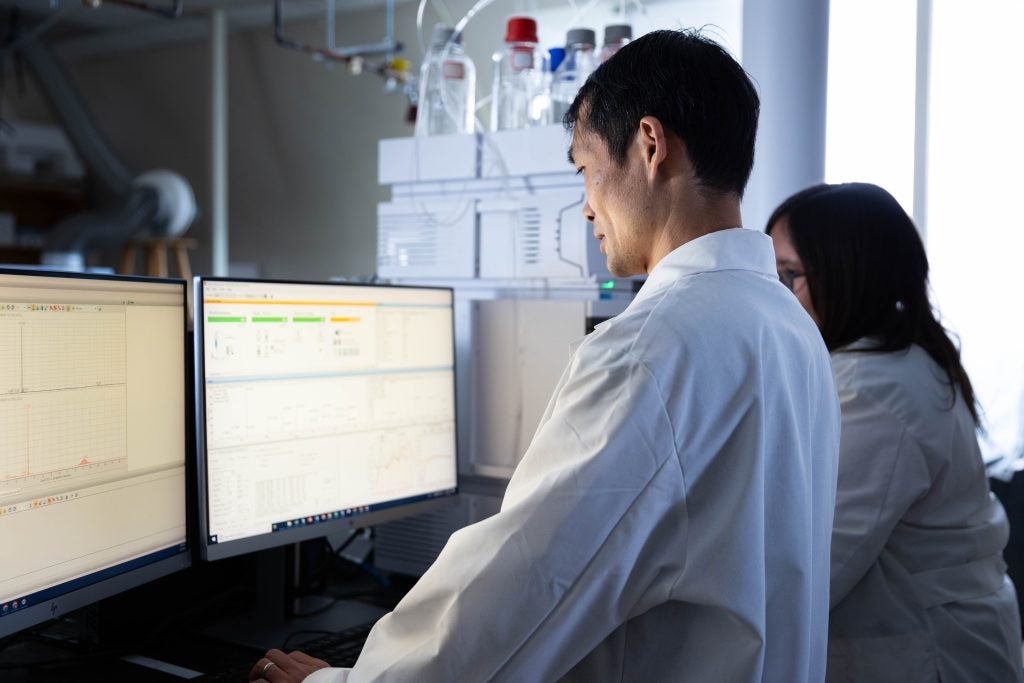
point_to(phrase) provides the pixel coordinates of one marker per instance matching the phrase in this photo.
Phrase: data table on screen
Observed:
(322, 398)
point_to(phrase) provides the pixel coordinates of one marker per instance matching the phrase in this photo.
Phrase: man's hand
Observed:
(278, 667)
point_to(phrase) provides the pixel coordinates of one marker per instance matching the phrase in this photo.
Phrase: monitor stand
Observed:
(273, 621)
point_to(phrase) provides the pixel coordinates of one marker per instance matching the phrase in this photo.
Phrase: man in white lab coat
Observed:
(671, 519)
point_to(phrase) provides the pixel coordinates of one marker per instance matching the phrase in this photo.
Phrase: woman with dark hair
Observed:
(919, 590)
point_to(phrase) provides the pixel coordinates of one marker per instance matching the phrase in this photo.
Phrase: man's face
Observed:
(616, 198)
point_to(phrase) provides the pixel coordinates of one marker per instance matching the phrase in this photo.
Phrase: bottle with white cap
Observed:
(447, 86)
(580, 61)
(520, 97)
(615, 36)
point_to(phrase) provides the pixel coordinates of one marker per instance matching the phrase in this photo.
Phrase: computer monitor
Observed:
(320, 407)
(92, 439)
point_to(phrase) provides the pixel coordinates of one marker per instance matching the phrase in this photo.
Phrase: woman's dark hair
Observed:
(690, 84)
(867, 272)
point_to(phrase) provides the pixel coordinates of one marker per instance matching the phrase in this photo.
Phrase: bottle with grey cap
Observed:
(580, 61)
(615, 36)
(447, 86)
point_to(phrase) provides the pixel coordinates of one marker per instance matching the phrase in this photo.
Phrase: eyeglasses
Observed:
(788, 276)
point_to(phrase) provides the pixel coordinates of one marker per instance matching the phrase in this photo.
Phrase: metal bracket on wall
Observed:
(387, 47)
(172, 12)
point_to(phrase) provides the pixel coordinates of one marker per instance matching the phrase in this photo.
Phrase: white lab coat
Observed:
(919, 587)
(670, 520)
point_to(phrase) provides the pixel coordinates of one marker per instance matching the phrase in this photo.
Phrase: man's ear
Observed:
(653, 143)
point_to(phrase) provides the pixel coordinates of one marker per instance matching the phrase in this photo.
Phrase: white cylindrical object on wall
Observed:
(785, 51)
(219, 140)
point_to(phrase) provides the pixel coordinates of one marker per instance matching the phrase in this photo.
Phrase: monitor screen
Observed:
(92, 439)
(321, 406)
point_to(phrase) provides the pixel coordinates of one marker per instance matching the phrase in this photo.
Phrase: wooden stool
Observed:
(155, 249)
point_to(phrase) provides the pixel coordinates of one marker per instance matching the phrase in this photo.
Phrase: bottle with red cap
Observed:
(520, 97)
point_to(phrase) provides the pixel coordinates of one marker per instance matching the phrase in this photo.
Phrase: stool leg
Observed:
(128, 260)
(184, 267)
(157, 260)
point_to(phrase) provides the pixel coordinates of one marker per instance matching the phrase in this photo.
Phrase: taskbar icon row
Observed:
(319, 518)
(12, 606)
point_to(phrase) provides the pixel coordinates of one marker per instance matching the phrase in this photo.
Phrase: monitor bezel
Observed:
(240, 546)
(131, 577)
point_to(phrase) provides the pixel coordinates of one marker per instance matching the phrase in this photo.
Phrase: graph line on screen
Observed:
(63, 391)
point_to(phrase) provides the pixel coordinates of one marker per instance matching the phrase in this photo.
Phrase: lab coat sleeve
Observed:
(882, 472)
(327, 676)
(527, 593)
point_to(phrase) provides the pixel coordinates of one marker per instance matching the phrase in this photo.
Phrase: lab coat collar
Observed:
(862, 344)
(730, 249)
(868, 344)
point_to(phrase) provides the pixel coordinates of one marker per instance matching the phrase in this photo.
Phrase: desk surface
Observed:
(178, 657)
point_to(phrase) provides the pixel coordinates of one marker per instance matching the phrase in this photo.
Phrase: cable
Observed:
(560, 231)
(326, 564)
(583, 12)
(419, 27)
(35, 32)
(468, 17)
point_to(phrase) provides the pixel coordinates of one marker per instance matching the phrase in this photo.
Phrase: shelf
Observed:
(41, 202)
(14, 255)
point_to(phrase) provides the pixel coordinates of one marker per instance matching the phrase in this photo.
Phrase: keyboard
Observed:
(340, 649)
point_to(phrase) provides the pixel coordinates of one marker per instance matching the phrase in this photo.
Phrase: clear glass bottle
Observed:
(615, 36)
(447, 99)
(580, 61)
(521, 94)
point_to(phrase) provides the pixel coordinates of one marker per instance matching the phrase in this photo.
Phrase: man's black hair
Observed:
(690, 84)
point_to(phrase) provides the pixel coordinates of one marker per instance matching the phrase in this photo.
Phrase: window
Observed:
(970, 173)
(869, 129)
(975, 228)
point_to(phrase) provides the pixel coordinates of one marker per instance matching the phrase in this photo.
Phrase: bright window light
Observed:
(869, 125)
(975, 176)
(974, 233)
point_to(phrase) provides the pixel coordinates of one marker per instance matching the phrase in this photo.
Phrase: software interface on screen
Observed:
(323, 401)
(92, 418)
